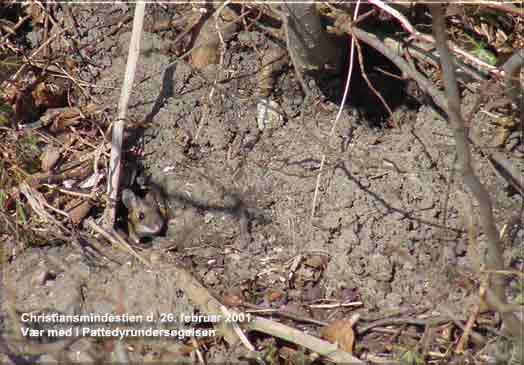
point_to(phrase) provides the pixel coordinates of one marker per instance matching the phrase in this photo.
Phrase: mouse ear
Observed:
(155, 195)
(150, 198)
(128, 198)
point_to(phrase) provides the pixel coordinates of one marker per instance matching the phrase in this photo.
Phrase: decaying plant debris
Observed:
(283, 204)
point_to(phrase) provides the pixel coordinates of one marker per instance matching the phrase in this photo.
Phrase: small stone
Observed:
(208, 217)
(268, 116)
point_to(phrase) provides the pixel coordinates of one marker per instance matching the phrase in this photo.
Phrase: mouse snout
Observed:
(151, 228)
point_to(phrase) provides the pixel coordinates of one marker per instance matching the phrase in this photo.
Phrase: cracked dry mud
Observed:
(388, 216)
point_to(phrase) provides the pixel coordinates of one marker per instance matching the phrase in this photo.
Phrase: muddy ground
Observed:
(388, 225)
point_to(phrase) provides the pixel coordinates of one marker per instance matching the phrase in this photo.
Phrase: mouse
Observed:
(146, 216)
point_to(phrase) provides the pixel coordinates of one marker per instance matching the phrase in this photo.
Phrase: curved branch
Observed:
(494, 259)
(453, 110)
(426, 85)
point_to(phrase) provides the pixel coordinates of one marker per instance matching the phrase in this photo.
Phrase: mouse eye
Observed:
(141, 216)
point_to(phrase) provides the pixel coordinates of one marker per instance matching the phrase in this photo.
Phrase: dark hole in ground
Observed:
(385, 78)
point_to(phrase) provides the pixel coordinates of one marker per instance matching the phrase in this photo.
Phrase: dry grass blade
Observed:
(117, 241)
(118, 128)
(40, 206)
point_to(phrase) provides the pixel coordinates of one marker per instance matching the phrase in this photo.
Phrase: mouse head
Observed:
(144, 215)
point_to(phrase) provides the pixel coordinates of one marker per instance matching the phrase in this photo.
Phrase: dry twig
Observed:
(323, 348)
(118, 127)
(411, 29)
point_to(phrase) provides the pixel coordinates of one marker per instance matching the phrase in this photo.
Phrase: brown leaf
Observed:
(287, 353)
(233, 297)
(447, 332)
(207, 43)
(309, 271)
(47, 95)
(202, 56)
(79, 212)
(340, 332)
(37, 14)
(49, 157)
(273, 295)
(61, 118)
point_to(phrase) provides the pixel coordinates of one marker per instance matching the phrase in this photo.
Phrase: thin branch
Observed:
(507, 8)
(494, 259)
(323, 348)
(403, 65)
(284, 17)
(470, 179)
(370, 85)
(412, 30)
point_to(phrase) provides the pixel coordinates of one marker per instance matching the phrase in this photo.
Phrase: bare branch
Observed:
(494, 260)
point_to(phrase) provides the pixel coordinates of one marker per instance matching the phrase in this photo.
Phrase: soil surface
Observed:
(367, 214)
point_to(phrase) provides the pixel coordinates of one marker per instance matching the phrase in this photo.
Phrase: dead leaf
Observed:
(233, 297)
(505, 126)
(447, 332)
(309, 271)
(49, 157)
(273, 295)
(61, 118)
(37, 14)
(47, 95)
(287, 353)
(207, 43)
(80, 211)
(340, 332)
